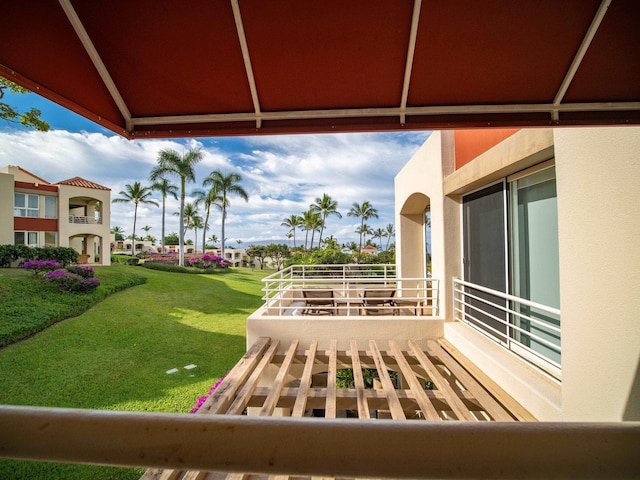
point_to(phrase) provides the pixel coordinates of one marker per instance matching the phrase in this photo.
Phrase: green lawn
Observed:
(115, 356)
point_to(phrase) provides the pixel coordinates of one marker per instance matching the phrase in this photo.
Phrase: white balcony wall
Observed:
(418, 186)
(598, 181)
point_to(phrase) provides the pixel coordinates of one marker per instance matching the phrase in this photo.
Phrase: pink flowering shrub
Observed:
(68, 281)
(83, 270)
(41, 266)
(206, 260)
(203, 398)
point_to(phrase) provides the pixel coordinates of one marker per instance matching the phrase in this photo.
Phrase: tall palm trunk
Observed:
(224, 217)
(133, 235)
(204, 231)
(163, 213)
(181, 237)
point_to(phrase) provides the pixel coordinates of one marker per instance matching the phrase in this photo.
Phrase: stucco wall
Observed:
(598, 181)
(343, 329)
(6, 209)
(417, 185)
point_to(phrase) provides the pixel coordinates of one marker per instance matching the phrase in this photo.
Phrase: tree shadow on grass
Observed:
(116, 355)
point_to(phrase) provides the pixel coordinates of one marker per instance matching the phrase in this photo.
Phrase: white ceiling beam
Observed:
(415, 18)
(582, 50)
(244, 46)
(97, 61)
(387, 112)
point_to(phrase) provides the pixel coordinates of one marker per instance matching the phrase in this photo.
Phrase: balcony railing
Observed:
(529, 329)
(84, 220)
(347, 290)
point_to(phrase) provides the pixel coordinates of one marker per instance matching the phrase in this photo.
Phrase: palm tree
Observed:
(364, 212)
(293, 222)
(118, 232)
(213, 239)
(165, 188)
(135, 194)
(311, 221)
(196, 223)
(208, 198)
(146, 229)
(325, 206)
(226, 185)
(171, 163)
(389, 233)
(364, 230)
(379, 233)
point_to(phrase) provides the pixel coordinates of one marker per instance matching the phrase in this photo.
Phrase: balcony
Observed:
(84, 220)
(527, 329)
(347, 291)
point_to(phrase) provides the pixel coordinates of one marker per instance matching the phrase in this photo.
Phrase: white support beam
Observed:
(415, 19)
(97, 62)
(387, 112)
(582, 50)
(244, 46)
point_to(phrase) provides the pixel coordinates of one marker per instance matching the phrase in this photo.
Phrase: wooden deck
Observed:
(290, 380)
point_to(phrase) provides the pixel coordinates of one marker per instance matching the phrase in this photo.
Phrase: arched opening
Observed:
(414, 251)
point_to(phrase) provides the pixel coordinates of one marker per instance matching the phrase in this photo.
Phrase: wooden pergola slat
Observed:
(492, 407)
(305, 381)
(248, 384)
(425, 405)
(363, 406)
(456, 404)
(397, 413)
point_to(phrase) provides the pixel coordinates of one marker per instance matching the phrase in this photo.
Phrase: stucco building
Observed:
(546, 218)
(71, 213)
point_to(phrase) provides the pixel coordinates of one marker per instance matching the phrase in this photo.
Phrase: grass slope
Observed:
(115, 355)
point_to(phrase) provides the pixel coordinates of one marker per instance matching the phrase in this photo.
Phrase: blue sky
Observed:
(282, 174)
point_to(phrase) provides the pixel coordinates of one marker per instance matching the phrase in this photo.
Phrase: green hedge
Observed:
(165, 267)
(28, 306)
(11, 253)
(125, 259)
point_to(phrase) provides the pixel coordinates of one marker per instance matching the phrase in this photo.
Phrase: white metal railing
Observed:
(85, 220)
(508, 320)
(349, 289)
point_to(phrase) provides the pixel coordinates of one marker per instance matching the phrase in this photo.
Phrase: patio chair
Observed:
(318, 302)
(375, 302)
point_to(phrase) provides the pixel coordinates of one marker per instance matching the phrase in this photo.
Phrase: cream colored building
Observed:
(71, 213)
(548, 215)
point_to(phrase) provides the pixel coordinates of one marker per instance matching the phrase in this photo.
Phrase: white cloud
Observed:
(282, 174)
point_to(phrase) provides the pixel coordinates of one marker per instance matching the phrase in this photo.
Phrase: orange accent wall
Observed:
(35, 224)
(471, 143)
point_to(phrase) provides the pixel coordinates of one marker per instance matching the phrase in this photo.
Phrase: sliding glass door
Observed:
(519, 257)
(484, 256)
(533, 226)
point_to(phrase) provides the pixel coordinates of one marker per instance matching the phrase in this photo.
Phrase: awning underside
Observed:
(238, 67)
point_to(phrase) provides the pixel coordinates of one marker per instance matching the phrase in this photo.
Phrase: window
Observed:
(50, 207)
(29, 239)
(50, 239)
(26, 205)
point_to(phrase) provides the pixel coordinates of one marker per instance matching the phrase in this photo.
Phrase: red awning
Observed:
(160, 68)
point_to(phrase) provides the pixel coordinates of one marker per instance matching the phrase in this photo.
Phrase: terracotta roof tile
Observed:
(81, 182)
